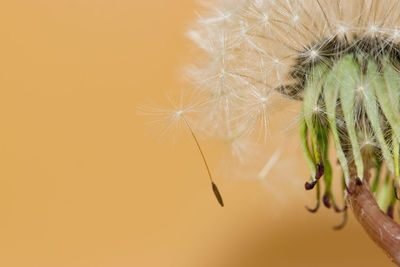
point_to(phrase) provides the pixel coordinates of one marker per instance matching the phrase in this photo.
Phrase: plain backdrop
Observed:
(84, 181)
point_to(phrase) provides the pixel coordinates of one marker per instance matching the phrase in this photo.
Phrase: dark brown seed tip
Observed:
(327, 200)
(310, 186)
(320, 171)
(217, 194)
(390, 211)
(358, 181)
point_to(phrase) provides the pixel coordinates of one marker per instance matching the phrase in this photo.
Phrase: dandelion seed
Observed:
(214, 186)
(175, 117)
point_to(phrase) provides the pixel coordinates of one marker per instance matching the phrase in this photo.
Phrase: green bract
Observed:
(355, 102)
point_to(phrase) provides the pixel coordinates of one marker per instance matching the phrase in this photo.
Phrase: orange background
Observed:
(83, 180)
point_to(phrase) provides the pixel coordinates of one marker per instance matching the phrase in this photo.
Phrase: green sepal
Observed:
(348, 77)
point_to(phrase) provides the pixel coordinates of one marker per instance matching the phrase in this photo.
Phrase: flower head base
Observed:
(358, 106)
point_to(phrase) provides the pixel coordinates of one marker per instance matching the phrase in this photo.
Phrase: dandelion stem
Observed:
(382, 229)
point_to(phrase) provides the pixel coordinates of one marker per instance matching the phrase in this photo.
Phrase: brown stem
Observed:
(383, 230)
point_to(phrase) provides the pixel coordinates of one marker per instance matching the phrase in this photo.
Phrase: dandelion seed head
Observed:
(332, 55)
(242, 54)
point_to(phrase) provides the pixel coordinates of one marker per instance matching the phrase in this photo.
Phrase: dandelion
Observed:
(341, 60)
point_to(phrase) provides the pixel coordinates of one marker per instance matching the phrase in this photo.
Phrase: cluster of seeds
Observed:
(341, 58)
